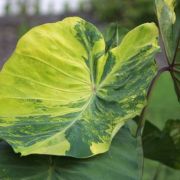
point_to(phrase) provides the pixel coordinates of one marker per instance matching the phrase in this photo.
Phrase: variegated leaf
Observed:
(61, 94)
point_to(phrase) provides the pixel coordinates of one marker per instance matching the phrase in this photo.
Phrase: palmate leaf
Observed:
(123, 161)
(61, 94)
(170, 31)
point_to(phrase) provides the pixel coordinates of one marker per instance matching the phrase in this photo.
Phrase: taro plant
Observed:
(67, 100)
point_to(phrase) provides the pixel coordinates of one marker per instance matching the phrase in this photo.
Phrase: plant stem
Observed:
(176, 64)
(176, 50)
(176, 70)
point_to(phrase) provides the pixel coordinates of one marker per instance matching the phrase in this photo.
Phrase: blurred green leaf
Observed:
(163, 104)
(157, 171)
(128, 13)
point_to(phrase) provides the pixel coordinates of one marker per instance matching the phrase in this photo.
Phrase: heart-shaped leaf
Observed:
(169, 26)
(61, 94)
(123, 161)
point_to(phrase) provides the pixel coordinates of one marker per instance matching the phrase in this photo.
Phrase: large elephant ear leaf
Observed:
(169, 25)
(61, 94)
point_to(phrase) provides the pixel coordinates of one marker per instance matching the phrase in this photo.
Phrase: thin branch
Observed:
(176, 70)
(176, 79)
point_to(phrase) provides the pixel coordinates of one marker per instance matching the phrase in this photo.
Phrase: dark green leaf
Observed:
(163, 146)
